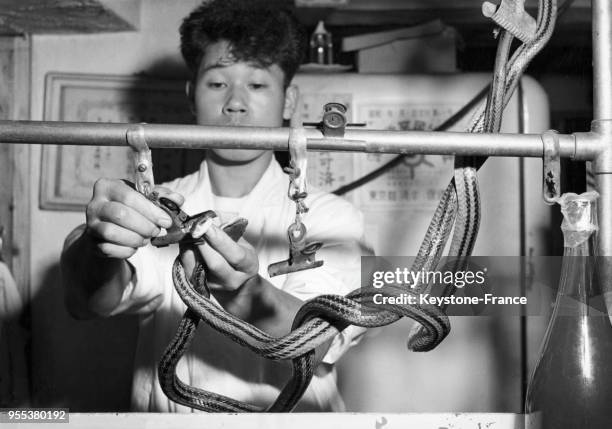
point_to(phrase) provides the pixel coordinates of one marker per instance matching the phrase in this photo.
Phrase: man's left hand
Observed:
(229, 264)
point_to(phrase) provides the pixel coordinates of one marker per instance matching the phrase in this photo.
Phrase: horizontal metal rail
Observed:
(354, 140)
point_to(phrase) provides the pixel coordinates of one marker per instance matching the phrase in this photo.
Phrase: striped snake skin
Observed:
(323, 317)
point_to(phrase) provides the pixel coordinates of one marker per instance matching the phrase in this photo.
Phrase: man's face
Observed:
(229, 92)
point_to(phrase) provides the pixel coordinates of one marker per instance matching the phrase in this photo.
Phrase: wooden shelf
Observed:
(18, 17)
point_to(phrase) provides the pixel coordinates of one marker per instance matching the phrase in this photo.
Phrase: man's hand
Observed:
(120, 219)
(229, 264)
(232, 277)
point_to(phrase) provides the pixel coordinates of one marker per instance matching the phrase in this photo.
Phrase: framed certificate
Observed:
(69, 172)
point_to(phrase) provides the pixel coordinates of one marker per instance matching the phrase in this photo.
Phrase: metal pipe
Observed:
(602, 124)
(602, 113)
(604, 184)
(355, 140)
(602, 59)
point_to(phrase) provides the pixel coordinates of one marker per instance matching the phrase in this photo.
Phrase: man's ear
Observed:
(292, 97)
(190, 93)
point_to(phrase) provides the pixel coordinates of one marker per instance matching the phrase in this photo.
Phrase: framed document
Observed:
(69, 172)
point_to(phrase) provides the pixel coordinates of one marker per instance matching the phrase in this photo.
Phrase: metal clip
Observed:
(143, 165)
(334, 120)
(551, 185)
(301, 255)
(512, 17)
(297, 164)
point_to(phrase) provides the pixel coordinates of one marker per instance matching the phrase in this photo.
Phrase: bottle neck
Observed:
(578, 273)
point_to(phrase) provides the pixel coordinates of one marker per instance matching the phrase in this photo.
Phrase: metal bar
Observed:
(602, 59)
(602, 114)
(372, 141)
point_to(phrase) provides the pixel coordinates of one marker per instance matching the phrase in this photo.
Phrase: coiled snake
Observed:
(321, 318)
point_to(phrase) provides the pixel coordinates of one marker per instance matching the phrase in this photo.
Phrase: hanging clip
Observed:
(302, 255)
(143, 165)
(512, 17)
(551, 185)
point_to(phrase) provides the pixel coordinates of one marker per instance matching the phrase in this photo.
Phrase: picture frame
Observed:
(68, 172)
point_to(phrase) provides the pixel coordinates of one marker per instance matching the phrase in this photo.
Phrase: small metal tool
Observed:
(551, 185)
(183, 224)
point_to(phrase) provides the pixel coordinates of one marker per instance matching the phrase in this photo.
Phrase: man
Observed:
(243, 55)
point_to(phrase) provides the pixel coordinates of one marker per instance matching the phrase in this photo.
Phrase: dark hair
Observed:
(256, 32)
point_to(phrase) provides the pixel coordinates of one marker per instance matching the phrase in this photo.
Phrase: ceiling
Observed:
(568, 51)
(91, 16)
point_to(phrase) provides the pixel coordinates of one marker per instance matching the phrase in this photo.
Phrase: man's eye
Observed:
(216, 85)
(258, 86)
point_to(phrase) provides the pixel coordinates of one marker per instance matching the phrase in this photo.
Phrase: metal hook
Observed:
(298, 161)
(143, 165)
(301, 254)
(512, 17)
(551, 184)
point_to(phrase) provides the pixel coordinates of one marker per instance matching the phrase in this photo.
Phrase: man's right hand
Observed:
(120, 219)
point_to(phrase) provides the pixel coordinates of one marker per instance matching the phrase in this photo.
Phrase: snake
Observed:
(506, 77)
(310, 329)
(323, 317)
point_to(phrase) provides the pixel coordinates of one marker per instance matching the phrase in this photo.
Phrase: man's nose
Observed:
(235, 102)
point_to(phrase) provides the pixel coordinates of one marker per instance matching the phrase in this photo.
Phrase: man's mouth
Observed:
(236, 123)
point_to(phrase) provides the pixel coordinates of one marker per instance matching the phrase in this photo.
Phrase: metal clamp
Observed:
(512, 17)
(143, 165)
(551, 185)
(334, 121)
(301, 254)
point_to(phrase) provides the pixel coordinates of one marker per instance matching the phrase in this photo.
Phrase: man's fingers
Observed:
(116, 234)
(220, 274)
(110, 250)
(235, 254)
(168, 193)
(188, 260)
(214, 261)
(128, 218)
(117, 190)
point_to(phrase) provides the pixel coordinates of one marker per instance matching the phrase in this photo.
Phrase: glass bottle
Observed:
(321, 46)
(571, 386)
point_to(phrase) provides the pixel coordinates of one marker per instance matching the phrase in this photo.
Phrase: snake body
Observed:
(321, 318)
